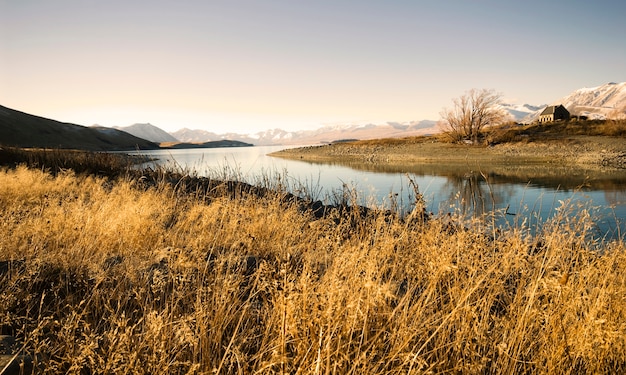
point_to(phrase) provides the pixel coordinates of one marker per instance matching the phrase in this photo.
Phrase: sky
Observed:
(246, 66)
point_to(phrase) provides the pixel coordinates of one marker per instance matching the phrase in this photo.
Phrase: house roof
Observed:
(551, 109)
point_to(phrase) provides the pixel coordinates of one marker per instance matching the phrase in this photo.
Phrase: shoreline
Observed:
(584, 151)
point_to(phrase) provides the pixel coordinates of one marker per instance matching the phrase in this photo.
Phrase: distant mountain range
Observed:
(333, 133)
(603, 102)
(322, 135)
(339, 132)
(23, 130)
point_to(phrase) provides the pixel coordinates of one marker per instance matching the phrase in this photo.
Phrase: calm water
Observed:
(521, 195)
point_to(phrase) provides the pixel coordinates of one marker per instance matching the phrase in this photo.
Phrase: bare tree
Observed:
(471, 113)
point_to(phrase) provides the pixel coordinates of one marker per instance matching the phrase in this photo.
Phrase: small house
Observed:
(554, 113)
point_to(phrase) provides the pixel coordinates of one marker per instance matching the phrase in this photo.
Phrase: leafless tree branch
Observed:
(471, 113)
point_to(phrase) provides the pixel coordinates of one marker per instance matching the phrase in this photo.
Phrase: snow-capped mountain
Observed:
(321, 135)
(607, 101)
(335, 132)
(521, 111)
(195, 135)
(148, 132)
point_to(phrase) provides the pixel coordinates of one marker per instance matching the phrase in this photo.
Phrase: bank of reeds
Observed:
(81, 162)
(114, 275)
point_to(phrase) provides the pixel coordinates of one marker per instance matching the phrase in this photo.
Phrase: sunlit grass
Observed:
(541, 132)
(166, 274)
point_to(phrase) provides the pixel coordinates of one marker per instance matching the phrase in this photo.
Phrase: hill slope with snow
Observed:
(521, 111)
(607, 101)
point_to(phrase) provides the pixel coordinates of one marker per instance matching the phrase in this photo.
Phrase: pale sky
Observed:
(247, 66)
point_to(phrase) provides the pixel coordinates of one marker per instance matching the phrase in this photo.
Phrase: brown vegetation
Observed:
(589, 144)
(81, 162)
(554, 131)
(471, 113)
(111, 275)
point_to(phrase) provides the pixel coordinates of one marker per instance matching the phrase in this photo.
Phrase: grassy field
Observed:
(152, 273)
(596, 144)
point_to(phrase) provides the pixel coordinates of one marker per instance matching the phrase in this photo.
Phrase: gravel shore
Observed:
(587, 151)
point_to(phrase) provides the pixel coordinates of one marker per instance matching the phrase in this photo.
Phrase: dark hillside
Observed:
(210, 144)
(21, 129)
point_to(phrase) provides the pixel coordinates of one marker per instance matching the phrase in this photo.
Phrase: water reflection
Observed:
(518, 193)
(565, 178)
(615, 197)
(474, 194)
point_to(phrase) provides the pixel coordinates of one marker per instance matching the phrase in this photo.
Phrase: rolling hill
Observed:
(21, 129)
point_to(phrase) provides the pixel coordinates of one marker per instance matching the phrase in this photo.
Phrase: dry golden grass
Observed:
(108, 276)
(552, 131)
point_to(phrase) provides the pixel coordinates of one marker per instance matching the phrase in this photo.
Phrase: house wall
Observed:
(546, 118)
(561, 113)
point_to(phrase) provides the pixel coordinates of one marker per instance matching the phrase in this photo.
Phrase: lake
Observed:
(520, 195)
